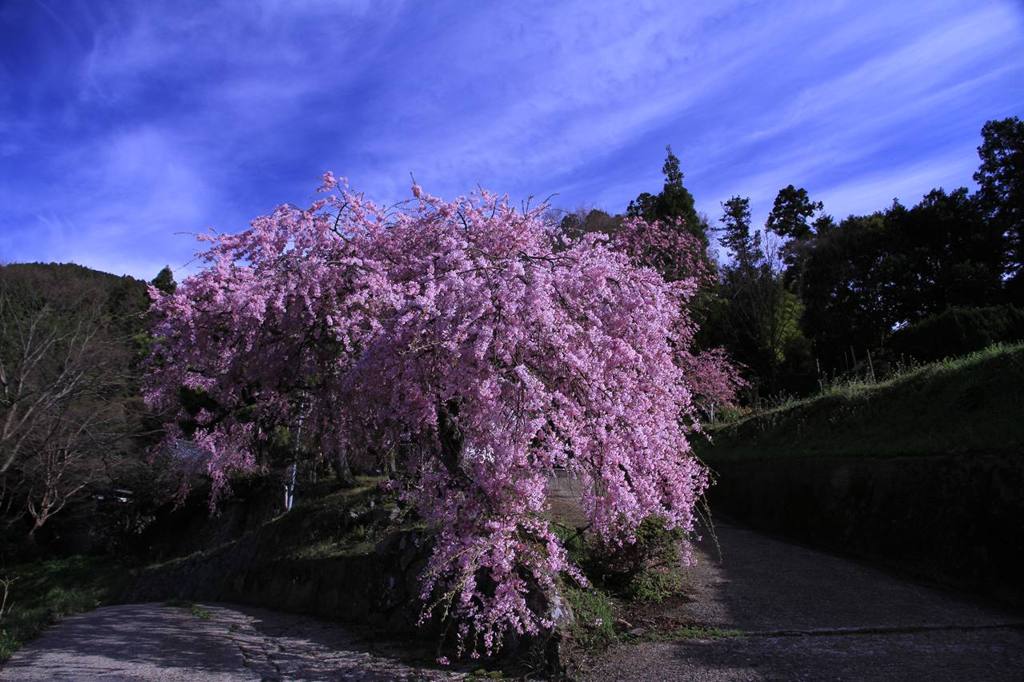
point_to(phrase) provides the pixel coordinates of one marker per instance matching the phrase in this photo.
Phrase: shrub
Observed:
(958, 331)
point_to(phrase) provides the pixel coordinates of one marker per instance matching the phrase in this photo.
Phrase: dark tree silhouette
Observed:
(737, 236)
(1000, 179)
(674, 201)
(164, 280)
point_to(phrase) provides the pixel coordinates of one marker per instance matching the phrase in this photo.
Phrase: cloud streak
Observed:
(123, 125)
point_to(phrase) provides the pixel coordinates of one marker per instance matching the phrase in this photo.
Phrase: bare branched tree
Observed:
(5, 593)
(58, 373)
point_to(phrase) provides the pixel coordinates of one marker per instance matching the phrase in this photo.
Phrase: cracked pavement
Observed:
(167, 643)
(804, 615)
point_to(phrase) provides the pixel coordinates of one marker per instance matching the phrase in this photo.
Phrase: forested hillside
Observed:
(72, 341)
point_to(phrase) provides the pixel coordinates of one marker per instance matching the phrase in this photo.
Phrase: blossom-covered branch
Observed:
(455, 335)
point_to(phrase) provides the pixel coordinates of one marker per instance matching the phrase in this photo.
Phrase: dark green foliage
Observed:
(164, 280)
(43, 592)
(1000, 179)
(823, 225)
(868, 275)
(656, 571)
(971, 404)
(746, 247)
(791, 218)
(655, 545)
(622, 579)
(846, 290)
(68, 286)
(942, 253)
(958, 331)
(580, 222)
(753, 314)
(835, 292)
(674, 201)
(791, 213)
(647, 571)
(757, 319)
(871, 274)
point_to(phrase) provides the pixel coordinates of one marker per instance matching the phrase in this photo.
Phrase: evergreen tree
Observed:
(164, 280)
(754, 315)
(792, 212)
(791, 218)
(737, 237)
(942, 252)
(1000, 179)
(674, 201)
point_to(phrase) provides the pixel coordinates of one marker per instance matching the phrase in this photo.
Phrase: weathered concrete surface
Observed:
(808, 615)
(932, 656)
(165, 643)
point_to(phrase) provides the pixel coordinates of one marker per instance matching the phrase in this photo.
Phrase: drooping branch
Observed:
(459, 337)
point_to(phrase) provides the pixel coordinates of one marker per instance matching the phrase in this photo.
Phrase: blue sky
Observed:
(127, 126)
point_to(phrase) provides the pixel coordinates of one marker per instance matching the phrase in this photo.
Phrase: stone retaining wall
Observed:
(956, 520)
(378, 588)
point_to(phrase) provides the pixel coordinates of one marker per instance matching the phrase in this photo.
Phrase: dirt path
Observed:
(158, 642)
(807, 615)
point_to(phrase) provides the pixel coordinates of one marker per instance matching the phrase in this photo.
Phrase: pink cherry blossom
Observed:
(455, 338)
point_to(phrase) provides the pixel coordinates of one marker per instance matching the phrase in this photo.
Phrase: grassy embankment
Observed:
(973, 403)
(331, 532)
(42, 592)
(969, 404)
(923, 473)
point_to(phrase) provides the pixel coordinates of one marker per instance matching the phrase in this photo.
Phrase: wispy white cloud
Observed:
(894, 83)
(906, 183)
(130, 123)
(128, 193)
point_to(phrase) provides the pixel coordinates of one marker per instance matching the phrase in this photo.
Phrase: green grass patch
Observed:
(967, 404)
(199, 612)
(574, 540)
(336, 522)
(43, 592)
(593, 624)
(653, 586)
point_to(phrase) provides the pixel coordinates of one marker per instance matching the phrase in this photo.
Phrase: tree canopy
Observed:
(673, 205)
(455, 337)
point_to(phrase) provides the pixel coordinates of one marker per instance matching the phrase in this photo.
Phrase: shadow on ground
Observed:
(205, 642)
(805, 614)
